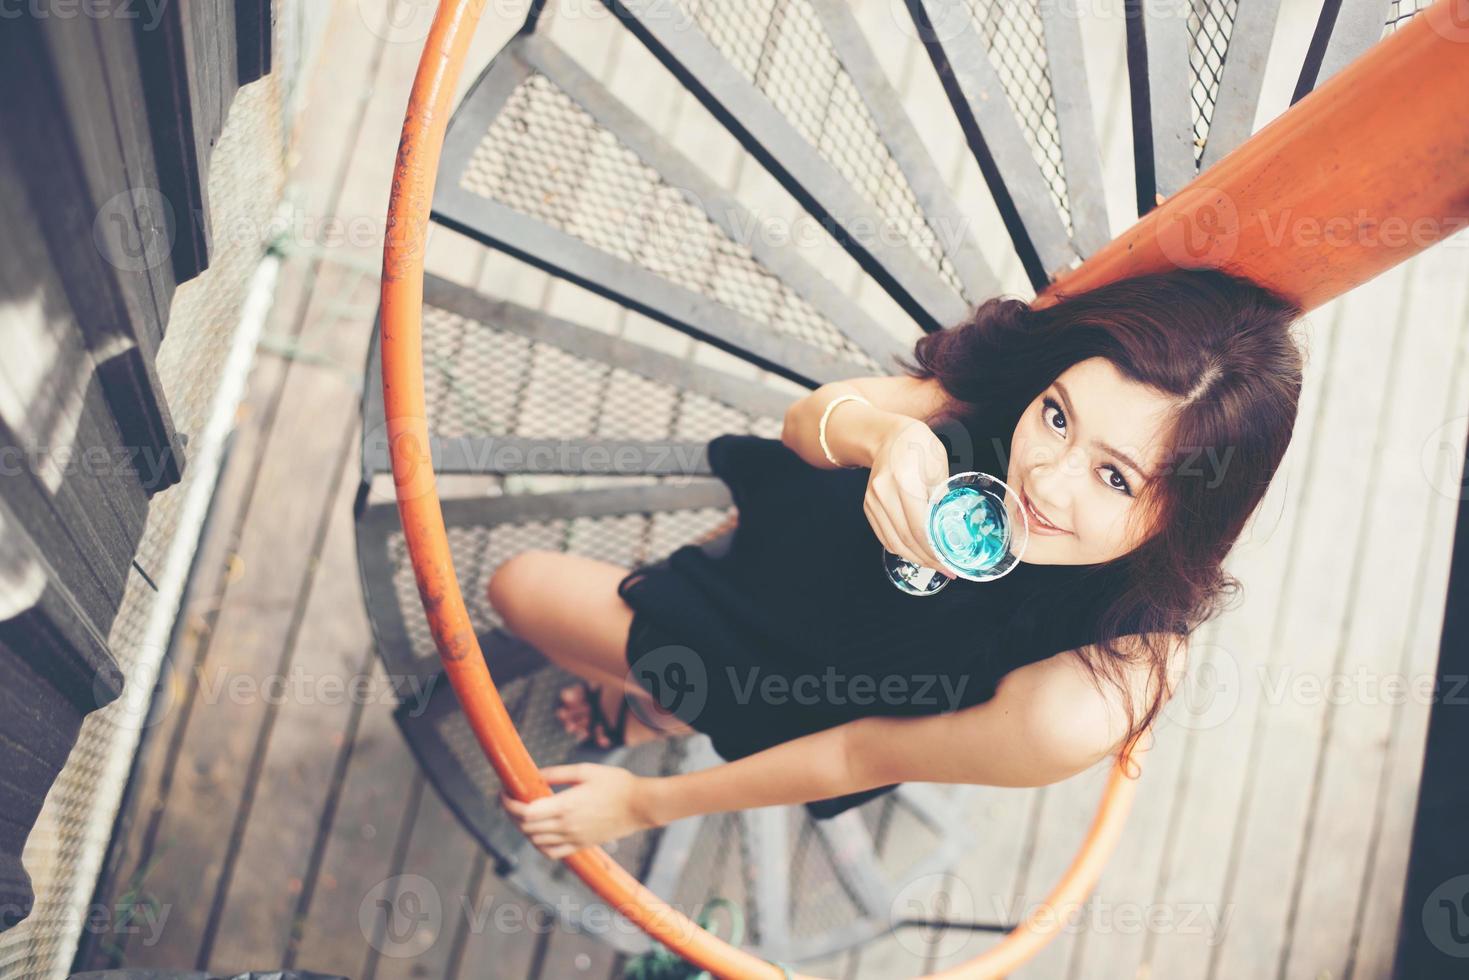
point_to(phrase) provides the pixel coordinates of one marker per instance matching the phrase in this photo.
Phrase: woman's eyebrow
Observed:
(1071, 413)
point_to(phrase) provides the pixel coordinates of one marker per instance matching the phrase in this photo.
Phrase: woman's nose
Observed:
(1052, 481)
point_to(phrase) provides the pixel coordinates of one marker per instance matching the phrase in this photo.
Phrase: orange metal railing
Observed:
(1364, 172)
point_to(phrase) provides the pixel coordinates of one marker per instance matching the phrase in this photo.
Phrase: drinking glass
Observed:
(972, 531)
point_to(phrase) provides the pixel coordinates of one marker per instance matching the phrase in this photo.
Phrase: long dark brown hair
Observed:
(1219, 344)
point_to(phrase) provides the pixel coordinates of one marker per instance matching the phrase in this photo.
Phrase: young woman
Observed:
(1139, 425)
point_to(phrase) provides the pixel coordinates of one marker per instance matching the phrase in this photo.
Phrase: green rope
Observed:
(661, 963)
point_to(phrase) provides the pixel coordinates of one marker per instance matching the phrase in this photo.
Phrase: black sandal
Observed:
(615, 733)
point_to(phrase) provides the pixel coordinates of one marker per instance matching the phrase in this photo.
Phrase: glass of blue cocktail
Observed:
(971, 528)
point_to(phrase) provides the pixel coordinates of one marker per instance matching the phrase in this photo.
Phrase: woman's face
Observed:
(1080, 455)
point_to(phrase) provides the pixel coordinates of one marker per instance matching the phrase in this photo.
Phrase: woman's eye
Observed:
(1049, 404)
(1057, 423)
(1117, 481)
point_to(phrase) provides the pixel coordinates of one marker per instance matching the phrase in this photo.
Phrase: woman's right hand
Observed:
(908, 463)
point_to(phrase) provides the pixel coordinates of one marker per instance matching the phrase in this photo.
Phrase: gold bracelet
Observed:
(821, 429)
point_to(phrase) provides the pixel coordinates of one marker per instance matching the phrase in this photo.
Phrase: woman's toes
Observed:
(570, 720)
(574, 711)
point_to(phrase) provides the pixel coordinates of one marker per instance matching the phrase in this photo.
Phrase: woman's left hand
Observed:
(605, 803)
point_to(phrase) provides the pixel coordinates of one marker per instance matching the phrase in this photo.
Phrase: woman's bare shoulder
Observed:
(1059, 701)
(1045, 722)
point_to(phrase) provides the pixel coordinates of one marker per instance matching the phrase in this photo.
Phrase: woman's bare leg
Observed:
(567, 607)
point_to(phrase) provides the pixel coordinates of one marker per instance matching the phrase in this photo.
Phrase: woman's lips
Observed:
(1036, 525)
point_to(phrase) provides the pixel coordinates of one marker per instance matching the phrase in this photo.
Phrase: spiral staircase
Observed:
(551, 434)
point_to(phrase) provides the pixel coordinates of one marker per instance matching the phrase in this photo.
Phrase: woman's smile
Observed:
(1038, 523)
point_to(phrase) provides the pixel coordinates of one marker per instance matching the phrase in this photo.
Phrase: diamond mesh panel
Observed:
(781, 48)
(1210, 25)
(546, 157)
(878, 816)
(1015, 37)
(827, 902)
(246, 177)
(716, 866)
(1400, 11)
(824, 901)
(623, 539)
(481, 380)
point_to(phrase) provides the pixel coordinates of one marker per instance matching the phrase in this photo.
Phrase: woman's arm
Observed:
(812, 767)
(988, 743)
(854, 430)
(1045, 722)
(995, 742)
(609, 802)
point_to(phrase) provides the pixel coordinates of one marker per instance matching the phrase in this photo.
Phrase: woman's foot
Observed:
(575, 714)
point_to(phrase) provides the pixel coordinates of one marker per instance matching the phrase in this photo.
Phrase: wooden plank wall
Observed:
(85, 286)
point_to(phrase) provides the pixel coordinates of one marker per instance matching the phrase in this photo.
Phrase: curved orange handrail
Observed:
(422, 140)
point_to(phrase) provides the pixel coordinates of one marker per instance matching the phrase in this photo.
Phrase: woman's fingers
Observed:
(915, 514)
(895, 506)
(557, 847)
(530, 818)
(911, 465)
(546, 832)
(888, 495)
(542, 825)
(889, 537)
(561, 824)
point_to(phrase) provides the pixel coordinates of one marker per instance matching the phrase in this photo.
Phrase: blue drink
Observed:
(970, 529)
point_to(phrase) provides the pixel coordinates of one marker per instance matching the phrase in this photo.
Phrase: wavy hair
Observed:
(1224, 348)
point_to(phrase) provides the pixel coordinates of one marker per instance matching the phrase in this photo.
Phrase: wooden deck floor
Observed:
(1270, 835)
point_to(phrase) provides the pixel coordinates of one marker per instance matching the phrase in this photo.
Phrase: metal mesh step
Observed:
(544, 163)
(813, 64)
(510, 389)
(629, 524)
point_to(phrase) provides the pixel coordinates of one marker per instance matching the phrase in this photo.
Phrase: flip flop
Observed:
(615, 733)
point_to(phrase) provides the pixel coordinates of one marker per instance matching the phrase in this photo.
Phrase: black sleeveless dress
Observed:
(788, 624)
